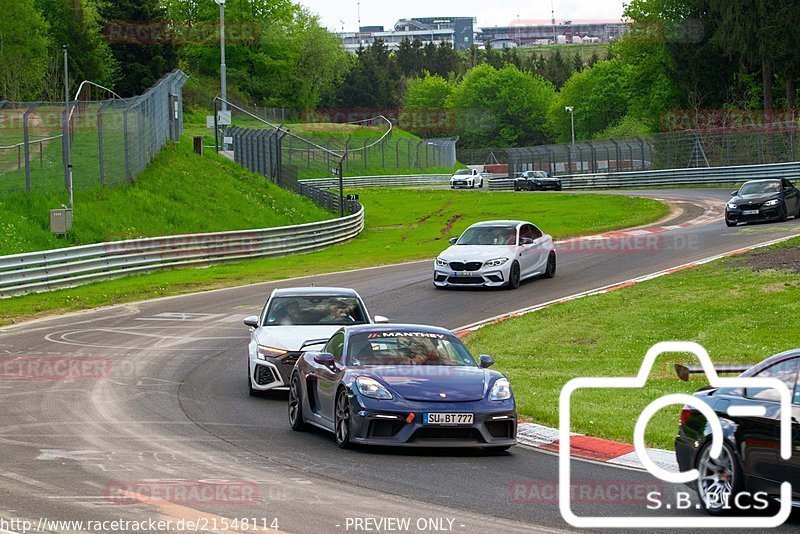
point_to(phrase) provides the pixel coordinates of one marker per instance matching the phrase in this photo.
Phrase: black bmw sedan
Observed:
(751, 462)
(763, 200)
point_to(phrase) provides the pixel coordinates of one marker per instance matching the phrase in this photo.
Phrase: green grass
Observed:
(178, 193)
(738, 315)
(402, 225)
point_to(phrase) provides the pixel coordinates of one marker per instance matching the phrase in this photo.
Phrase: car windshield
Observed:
(489, 235)
(407, 348)
(462, 172)
(760, 188)
(312, 311)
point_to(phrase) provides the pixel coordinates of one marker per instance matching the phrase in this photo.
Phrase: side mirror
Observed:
(453, 240)
(252, 322)
(527, 241)
(325, 358)
(486, 361)
(734, 193)
(380, 319)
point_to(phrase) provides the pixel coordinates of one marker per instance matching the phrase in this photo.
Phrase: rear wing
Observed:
(685, 371)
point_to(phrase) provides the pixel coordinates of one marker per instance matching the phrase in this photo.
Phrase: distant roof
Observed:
(315, 292)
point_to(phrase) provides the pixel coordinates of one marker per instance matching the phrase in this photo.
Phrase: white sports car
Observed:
(295, 321)
(496, 254)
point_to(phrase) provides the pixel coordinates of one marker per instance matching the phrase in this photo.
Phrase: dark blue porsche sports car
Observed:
(402, 385)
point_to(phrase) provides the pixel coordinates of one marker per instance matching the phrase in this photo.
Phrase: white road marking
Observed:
(185, 317)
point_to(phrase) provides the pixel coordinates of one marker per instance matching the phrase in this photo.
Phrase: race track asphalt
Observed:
(174, 411)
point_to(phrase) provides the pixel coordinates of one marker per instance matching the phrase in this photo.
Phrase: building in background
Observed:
(458, 31)
(545, 33)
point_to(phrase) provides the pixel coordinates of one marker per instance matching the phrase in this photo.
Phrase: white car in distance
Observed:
(468, 178)
(496, 254)
(294, 321)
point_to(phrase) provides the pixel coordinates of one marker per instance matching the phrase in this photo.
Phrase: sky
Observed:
(489, 12)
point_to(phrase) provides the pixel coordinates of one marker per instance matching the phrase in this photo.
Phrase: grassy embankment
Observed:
(739, 313)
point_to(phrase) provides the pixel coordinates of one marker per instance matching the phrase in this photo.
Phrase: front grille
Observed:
(500, 429)
(466, 280)
(291, 358)
(470, 267)
(265, 375)
(383, 428)
(748, 207)
(439, 434)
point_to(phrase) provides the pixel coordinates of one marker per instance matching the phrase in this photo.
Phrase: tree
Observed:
(77, 24)
(446, 60)
(557, 70)
(600, 97)
(505, 107)
(424, 108)
(141, 64)
(410, 58)
(374, 80)
(23, 51)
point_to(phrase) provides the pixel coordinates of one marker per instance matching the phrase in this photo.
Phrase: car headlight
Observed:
(731, 206)
(441, 263)
(496, 263)
(770, 203)
(264, 352)
(501, 390)
(369, 387)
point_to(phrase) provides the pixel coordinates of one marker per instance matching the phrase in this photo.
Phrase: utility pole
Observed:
(223, 74)
(67, 140)
(553, 12)
(571, 110)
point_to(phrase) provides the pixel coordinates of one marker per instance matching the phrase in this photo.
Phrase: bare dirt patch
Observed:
(779, 259)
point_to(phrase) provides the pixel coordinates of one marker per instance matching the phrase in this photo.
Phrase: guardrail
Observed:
(69, 267)
(380, 181)
(669, 178)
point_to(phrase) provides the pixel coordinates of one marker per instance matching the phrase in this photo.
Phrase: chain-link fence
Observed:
(111, 141)
(369, 147)
(674, 150)
(262, 151)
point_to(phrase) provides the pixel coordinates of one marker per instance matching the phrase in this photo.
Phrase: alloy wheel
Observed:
(717, 481)
(343, 420)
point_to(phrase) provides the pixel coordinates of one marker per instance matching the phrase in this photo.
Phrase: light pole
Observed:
(571, 110)
(223, 75)
(67, 140)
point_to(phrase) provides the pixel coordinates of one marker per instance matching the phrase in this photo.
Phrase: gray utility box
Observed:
(60, 221)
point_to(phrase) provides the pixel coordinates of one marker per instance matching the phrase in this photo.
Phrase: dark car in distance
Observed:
(750, 461)
(402, 385)
(763, 200)
(536, 181)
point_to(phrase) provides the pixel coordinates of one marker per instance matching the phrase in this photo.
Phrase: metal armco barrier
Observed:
(668, 178)
(380, 181)
(53, 269)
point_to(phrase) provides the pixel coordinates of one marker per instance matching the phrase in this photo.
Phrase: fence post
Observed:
(25, 135)
(140, 138)
(100, 144)
(397, 153)
(383, 154)
(365, 154)
(125, 142)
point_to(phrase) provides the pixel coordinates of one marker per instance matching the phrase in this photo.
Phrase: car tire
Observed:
(517, 188)
(296, 405)
(728, 468)
(342, 425)
(784, 216)
(253, 392)
(729, 223)
(514, 276)
(552, 266)
(559, 188)
(481, 185)
(530, 187)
